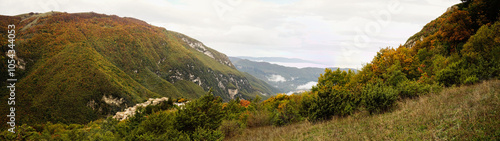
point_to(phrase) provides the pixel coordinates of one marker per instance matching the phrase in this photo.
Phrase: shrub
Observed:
(205, 112)
(174, 136)
(411, 89)
(286, 112)
(23, 132)
(284, 109)
(337, 102)
(378, 98)
(158, 123)
(107, 124)
(244, 103)
(471, 80)
(258, 118)
(233, 109)
(231, 128)
(333, 96)
(450, 75)
(7, 136)
(394, 75)
(202, 134)
(181, 100)
(137, 118)
(307, 101)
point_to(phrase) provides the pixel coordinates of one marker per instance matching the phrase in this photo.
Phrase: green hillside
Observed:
(68, 64)
(459, 113)
(443, 84)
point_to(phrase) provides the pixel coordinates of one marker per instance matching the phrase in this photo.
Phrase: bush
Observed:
(202, 134)
(7, 136)
(107, 124)
(333, 96)
(394, 75)
(231, 128)
(471, 80)
(23, 132)
(337, 102)
(181, 100)
(163, 105)
(259, 118)
(205, 112)
(411, 89)
(284, 109)
(158, 123)
(450, 75)
(378, 98)
(233, 109)
(174, 136)
(307, 101)
(286, 112)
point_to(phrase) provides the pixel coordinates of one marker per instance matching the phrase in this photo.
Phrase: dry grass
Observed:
(459, 113)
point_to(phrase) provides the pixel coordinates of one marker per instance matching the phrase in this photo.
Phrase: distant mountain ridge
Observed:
(286, 79)
(286, 61)
(274, 59)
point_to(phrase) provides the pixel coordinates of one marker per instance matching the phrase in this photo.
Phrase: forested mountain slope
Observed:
(74, 68)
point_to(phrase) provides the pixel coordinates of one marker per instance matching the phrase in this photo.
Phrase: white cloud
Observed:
(318, 30)
(276, 78)
(307, 86)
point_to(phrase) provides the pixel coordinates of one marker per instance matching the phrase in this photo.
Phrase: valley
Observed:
(285, 78)
(99, 76)
(71, 62)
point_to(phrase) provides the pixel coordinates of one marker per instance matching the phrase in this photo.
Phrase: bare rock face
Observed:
(232, 92)
(130, 111)
(200, 47)
(112, 101)
(452, 8)
(411, 42)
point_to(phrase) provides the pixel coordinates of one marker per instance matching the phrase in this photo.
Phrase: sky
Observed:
(330, 33)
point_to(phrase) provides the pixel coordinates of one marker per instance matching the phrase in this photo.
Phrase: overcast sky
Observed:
(333, 33)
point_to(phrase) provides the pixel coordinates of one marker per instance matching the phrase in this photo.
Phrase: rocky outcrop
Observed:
(225, 85)
(411, 42)
(200, 47)
(428, 29)
(452, 8)
(232, 92)
(112, 101)
(130, 111)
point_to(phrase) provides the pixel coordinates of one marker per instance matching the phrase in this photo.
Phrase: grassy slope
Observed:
(467, 112)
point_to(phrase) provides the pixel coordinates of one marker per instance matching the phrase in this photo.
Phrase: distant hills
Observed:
(286, 79)
(75, 68)
(275, 59)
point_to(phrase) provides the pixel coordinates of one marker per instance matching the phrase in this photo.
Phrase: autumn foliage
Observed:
(461, 47)
(244, 103)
